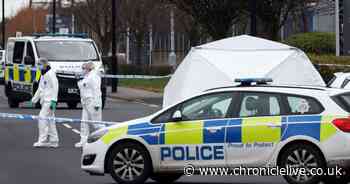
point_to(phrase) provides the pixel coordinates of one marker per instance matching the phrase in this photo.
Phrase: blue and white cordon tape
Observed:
(28, 117)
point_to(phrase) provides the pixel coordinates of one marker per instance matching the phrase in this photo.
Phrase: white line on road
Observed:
(136, 101)
(76, 131)
(67, 126)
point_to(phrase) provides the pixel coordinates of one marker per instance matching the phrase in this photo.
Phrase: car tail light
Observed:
(343, 124)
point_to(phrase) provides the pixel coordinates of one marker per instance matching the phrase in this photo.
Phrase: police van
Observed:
(250, 125)
(65, 52)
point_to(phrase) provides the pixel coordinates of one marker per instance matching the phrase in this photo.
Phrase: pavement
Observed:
(22, 164)
(138, 95)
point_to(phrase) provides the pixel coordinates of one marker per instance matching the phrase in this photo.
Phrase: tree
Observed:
(216, 17)
(24, 22)
(96, 16)
(138, 17)
(274, 13)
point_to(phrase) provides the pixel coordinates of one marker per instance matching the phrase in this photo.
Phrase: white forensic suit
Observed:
(91, 101)
(46, 93)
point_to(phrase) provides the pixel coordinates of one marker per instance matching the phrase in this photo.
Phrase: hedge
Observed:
(313, 42)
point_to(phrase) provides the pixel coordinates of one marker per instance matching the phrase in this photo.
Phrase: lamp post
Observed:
(3, 24)
(114, 48)
(337, 29)
(172, 54)
(54, 16)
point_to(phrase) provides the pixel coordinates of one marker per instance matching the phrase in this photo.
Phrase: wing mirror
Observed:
(29, 60)
(177, 116)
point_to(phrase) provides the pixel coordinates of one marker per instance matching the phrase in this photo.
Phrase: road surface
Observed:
(20, 163)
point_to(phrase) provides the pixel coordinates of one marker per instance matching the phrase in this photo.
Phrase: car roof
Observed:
(294, 89)
(49, 38)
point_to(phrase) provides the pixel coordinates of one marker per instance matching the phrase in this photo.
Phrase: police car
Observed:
(247, 125)
(340, 80)
(66, 54)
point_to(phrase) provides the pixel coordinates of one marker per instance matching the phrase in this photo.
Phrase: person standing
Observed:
(91, 100)
(47, 93)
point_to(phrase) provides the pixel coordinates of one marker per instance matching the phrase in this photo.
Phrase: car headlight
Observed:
(96, 135)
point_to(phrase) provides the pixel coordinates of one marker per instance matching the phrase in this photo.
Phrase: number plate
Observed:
(72, 91)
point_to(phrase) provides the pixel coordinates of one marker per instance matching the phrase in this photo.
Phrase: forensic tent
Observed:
(219, 63)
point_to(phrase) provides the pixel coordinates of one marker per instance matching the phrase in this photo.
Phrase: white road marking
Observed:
(67, 126)
(135, 101)
(144, 103)
(76, 131)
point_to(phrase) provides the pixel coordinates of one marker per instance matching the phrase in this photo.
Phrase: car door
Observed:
(254, 135)
(198, 137)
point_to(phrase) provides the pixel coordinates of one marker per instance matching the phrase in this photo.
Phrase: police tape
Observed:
(28, 117)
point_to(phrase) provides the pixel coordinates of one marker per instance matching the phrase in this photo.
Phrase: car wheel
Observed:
(166, 178)
(129, 163)
(302, 156)
(72, 105)
(12, 103)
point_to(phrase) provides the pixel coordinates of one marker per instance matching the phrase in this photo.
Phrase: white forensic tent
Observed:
(219, 63)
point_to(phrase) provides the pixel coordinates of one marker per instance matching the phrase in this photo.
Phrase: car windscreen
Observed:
(67, 50)
(343, 100)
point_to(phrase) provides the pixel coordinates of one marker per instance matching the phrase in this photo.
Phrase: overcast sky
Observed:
(12, 6)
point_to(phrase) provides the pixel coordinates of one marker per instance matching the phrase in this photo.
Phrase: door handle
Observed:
(213, 129)
(272, 125)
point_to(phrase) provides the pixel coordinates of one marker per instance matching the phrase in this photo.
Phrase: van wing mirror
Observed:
(177, 116)
(29, 60)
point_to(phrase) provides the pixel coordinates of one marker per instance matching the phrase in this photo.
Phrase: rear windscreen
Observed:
(343, 100)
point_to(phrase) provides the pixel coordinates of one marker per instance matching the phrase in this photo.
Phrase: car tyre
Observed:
(12, 103)
(302, 155)
(129, 163)
(166, 178)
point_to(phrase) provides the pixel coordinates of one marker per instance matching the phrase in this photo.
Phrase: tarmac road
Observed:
(20, 163)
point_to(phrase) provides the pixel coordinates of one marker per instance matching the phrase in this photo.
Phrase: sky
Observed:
(12, 6)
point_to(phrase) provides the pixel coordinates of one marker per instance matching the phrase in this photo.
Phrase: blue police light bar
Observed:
(75, 35)
(249, 81)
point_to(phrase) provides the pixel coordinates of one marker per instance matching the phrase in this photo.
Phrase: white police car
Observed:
(247, 125)
(340, 80)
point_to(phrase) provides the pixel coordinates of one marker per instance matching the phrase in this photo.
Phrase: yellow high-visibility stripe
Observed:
(184, 133)
(38, 73)
(27, 74)
(15, 73)
(7, 73)
(255, 129)
(114, 134)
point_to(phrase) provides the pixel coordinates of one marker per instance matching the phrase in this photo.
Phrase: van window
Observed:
(18, 52)
(9, 50)
(30, 51)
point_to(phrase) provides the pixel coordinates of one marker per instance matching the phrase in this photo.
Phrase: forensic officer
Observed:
(91, 100)
(47, 94)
